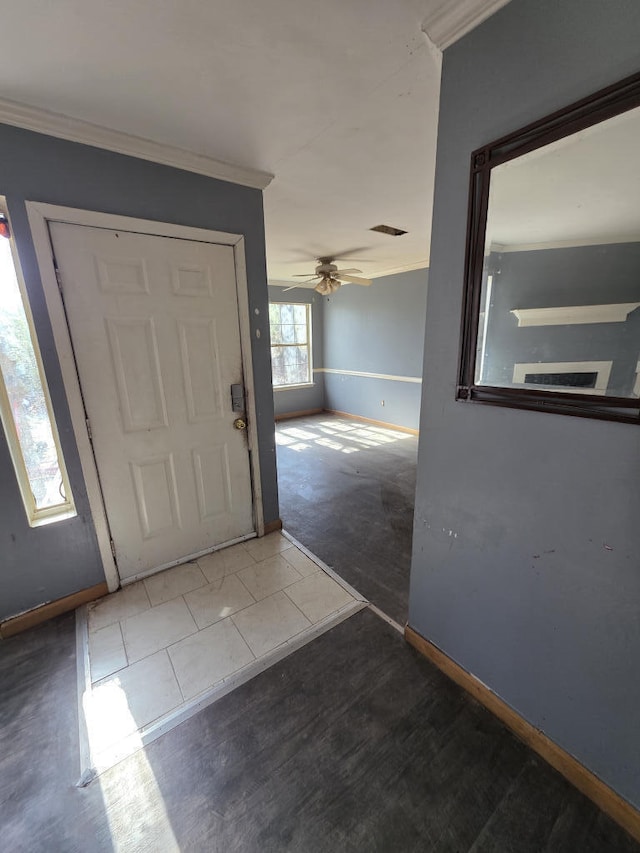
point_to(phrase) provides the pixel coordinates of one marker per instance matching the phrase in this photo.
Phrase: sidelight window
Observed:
(25, 407)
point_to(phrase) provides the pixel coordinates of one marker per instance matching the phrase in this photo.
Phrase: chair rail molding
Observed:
(414, 379)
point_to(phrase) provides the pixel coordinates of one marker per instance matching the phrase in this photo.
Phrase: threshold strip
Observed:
(343, 583)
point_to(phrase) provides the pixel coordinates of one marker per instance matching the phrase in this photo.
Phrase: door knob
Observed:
(239, 423)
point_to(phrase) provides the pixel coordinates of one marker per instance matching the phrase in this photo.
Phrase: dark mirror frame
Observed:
(598, 107)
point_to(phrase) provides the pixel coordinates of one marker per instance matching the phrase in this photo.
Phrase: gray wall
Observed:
(525, 567)
(291, 400)
(376, 329)
(585, 275)
(42, 564)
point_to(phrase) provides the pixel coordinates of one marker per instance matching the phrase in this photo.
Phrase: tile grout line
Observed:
(206, 582)
(161, 648)
(244, 639)
(237, 575)
(293, 568)
(175, 674)
(93, 683)
(119, 618)
(326, 568)
(329, 618)
(231, 615)
(124, 647)
(191, 613)
(299, 609)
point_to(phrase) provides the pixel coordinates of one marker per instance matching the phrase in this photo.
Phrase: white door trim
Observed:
(39, 215)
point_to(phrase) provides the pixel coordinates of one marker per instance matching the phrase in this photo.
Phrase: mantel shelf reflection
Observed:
(574, 314)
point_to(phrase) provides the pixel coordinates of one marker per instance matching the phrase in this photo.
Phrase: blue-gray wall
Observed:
(293, 400)
(525, 567)
(45, 563)
(376, 329)
(545, 278)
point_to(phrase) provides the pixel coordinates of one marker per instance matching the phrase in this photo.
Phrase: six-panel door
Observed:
(155, 331)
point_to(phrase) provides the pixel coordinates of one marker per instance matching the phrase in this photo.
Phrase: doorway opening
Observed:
(346, 492)
(347, 392)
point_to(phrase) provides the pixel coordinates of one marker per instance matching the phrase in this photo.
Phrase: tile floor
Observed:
(169, 639)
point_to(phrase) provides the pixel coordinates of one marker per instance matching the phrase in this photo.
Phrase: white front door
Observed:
(155, 332)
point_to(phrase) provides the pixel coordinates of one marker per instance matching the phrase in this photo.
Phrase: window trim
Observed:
(297, 385)
(35, 517)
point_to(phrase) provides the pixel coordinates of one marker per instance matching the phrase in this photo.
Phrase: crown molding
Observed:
(448, 21)
(76, 130)
(611, 240)
(416, 265)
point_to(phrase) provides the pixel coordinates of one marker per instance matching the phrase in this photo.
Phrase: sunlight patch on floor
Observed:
(340, 435)
(135, 807)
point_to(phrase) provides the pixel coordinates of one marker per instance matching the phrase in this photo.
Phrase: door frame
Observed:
(39, 215)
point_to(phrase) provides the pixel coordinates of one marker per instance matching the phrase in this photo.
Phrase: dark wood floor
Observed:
(353, 743)
(353, 510)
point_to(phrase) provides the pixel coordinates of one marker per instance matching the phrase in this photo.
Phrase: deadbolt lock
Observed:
(240, 423)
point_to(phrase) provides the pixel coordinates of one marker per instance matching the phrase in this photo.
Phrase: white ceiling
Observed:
(337, 99)
(581, 190)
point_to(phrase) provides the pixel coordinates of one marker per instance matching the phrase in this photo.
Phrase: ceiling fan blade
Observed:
(346, 254)
(354, 279)
(338, 273)
(304, 284)
(305, 275)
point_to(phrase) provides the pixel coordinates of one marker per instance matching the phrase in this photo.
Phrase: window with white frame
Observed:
(25, 407)
(290, 344)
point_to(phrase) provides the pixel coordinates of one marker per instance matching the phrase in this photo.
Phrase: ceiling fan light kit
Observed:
(328, 278)
(327, 286)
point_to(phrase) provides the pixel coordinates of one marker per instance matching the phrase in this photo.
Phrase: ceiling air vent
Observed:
(388, 229)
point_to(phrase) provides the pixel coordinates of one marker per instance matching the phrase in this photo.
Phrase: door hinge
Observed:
(88, 423)
(113, 549)
(58, 278)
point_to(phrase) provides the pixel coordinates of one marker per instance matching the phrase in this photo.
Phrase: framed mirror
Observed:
(551, 313)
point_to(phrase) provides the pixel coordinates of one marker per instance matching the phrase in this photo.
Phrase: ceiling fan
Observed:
(328, 278)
